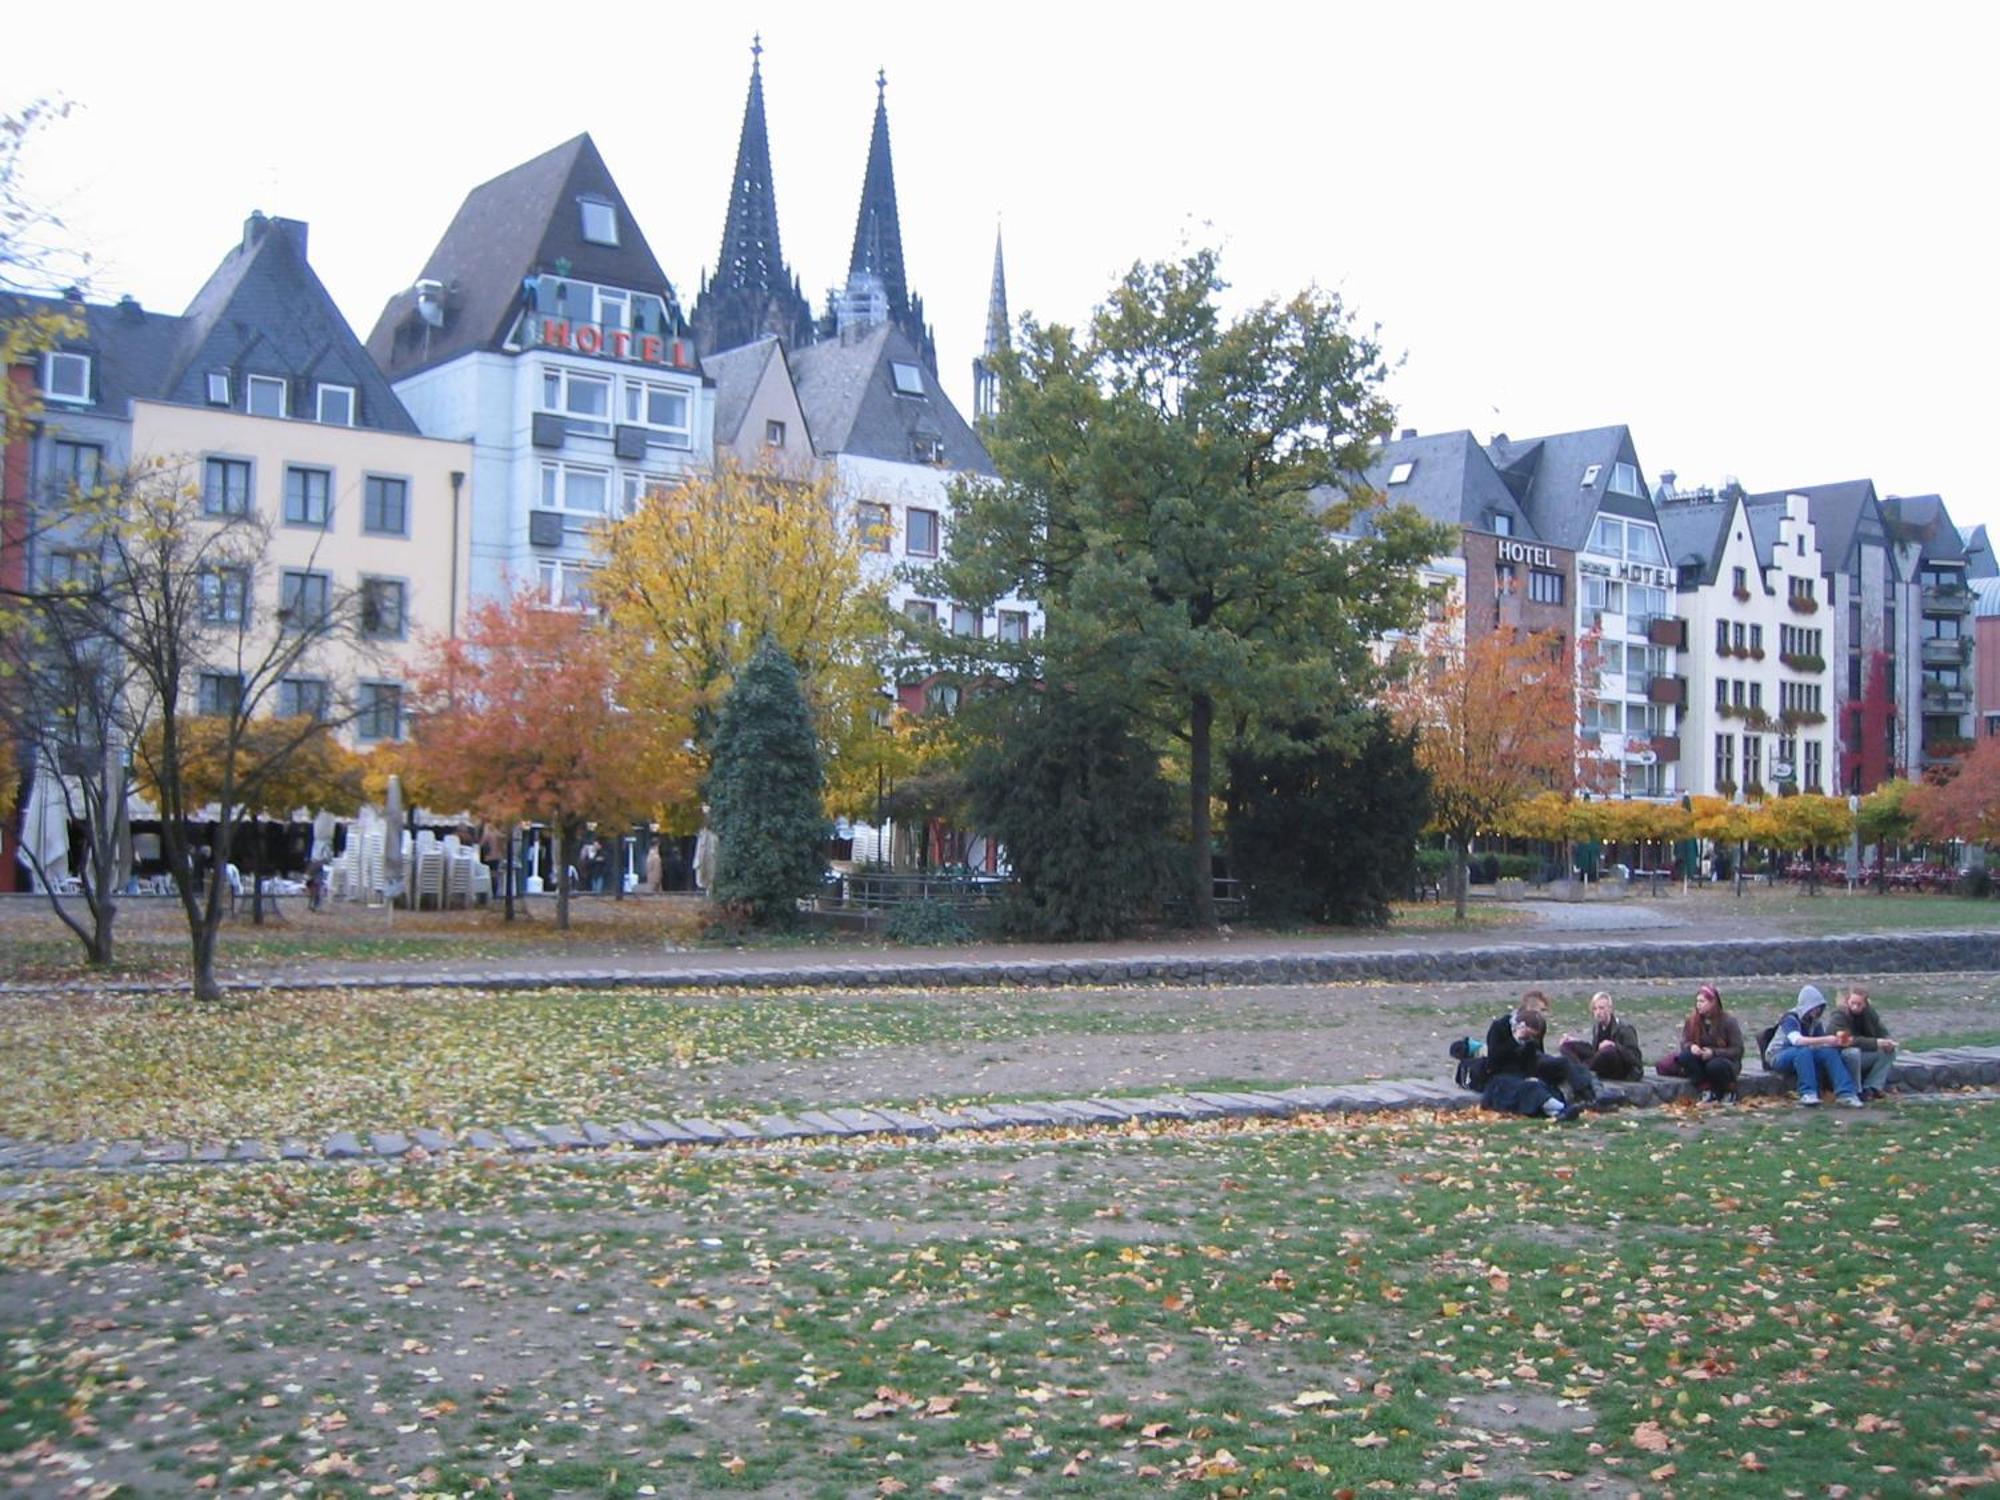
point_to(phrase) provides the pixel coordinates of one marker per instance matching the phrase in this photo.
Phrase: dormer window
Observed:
(1402, 472)
(908, 379)
(1590, 475)
(929, 448)
(1624, 479)
(336, 405)
(218, 387)
(1503, 524)
(66, 377)
(264, 396)
(600, 221)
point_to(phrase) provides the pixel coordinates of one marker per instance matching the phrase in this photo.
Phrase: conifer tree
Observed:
(764, 791)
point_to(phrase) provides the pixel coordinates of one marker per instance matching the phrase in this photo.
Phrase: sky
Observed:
(1760, 234)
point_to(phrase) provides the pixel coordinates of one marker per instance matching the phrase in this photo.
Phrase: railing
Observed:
(875, 891)
(1667, 630)
(1947, 651)
(1947, 598)
(1947, 700)
(1666, 689)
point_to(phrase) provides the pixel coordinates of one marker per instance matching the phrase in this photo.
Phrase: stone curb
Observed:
(1866, 953)
(1916, 1072)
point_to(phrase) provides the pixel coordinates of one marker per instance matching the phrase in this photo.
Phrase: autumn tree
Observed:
(36, 256)
(1723, 821)
(1807, 824)
(1964, 805)
(705, 570)
(1886, 817)
(1494, 715)
(519, 720)
(764, 791)
(1183, 495)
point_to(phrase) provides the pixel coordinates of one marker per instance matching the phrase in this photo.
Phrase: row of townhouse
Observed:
(1818, 638)
(537, 379)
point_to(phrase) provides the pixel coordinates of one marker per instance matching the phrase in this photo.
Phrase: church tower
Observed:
(985, 378)
(753, 292)
(878, 289)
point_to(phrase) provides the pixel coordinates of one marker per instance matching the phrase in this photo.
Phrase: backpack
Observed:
(1764, 1045)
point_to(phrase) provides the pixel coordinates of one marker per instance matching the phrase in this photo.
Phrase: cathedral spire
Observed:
(878, 288)
(985, 378)
(753, 292)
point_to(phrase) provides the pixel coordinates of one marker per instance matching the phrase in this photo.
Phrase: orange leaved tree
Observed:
(519, 721)
(1965, 804)
(1495, 719)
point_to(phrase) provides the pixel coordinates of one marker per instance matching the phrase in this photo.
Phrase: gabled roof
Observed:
(520, 224)
(848, 394)
(1546, 475)
(1923, 519)
(1979, 560)
(130, 349)
(1845, 516)
(737, 373)
(1764, 527)
(265, 312)
(1450, 480)
(1694, 533)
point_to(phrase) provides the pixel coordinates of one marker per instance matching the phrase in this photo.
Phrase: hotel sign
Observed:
(610, 343)
(1523, 552)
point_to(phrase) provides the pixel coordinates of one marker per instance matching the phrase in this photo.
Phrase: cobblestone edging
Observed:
(1867, 953)
(1924, 1072)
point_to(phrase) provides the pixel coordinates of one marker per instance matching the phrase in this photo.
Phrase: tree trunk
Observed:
(1460, 852)
(1741, 848)
(562, 876)
(513, 841)
(1199, 833)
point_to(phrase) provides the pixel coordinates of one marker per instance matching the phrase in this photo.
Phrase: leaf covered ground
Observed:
(1759, 1301)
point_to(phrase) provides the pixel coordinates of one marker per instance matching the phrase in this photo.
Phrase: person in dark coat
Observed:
(1870, 1051)
(1520, 1092)
(1711, 1050)
(1612, 1049)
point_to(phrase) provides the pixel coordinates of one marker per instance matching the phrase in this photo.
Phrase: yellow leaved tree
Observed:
(700, 573)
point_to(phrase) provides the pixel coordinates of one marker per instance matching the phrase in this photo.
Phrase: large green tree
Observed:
(764, 791)
(1183, 495)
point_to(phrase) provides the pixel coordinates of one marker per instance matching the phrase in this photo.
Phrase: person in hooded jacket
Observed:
(1801, 1046)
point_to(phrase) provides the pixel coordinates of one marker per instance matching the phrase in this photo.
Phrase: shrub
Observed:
(927, 924)
(1976, 882)
(1433, 864)
(1515, 866)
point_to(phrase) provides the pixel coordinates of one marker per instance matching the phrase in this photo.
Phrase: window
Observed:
(1812, 781)
(304, 599)
(565, 583)
(1642, 544)
(965, 621)
(922, 538)
(567, 487)
(1941, 627)
(1722, 635)
(941, 698)
(385, 505)
(264, 396)
(774, 434)
(384, 604)
(336, 405)
(1503, 525)
(1888, 631)
(922, 611)
(217, 694)
(583, 401)
(927, 448)
(74, 466)
(600, 221)
(1505, 580)
(1741, 640)
(1741, 580)
(1590, 475)
(380, 711)
(1643, 603)
(661, 407)
(1401, 473)
(225, 596)
(1013, 626)
(872, 522)
(1722, 692)
(1753, 759)
(66, 568)
(308, 497)
(1624, 480)
(1802, 588)
(1756, 639)
(302, 698)
(1757, 695)
(907, 379)
(1736, 691)
(1725, 760)
(225, 487)
(66, 377)
(218, 387)
(1545, 587)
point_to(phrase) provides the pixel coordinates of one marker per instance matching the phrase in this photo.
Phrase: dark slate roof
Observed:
(737, 373)
(1451, 481)
(1764, 532)
(1846, 516)
(849, 398)
(1924, 520)
(1546, 476)
(130, 348)
(1979, 560)
(519, 224)
(264, 312)
(1694, 532)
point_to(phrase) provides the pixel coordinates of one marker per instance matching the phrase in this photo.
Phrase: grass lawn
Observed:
(1767, 1301)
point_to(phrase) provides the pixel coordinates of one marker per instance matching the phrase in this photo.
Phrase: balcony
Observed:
(1667, 630)
(1939, 699)
(1665, 689)
(1947, 599)
(1666, 748)
(1947, 651)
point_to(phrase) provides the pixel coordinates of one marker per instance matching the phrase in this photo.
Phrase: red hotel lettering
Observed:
(649, 349)
(680, 353)
(555, 334)
(621, 343)
(587, 338)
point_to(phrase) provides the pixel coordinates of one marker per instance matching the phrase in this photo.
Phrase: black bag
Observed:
(1764, 1045)
(1472, 1071)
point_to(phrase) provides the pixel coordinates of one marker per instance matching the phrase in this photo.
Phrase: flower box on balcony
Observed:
(1803, 604)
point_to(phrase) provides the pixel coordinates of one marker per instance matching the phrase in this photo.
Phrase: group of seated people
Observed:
(1512, 1072)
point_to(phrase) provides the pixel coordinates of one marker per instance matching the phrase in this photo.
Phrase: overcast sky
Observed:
(1760, 234)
